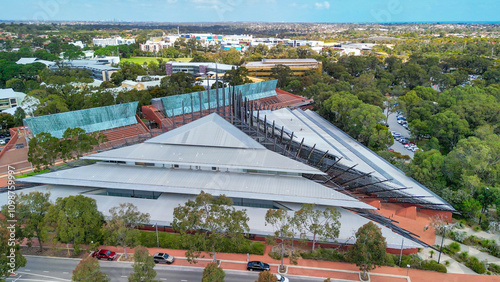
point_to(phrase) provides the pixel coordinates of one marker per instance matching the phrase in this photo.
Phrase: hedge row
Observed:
(176, 241)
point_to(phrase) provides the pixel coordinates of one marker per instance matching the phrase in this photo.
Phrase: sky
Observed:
(252, 10)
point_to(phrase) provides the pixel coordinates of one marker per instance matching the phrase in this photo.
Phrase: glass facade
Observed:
(173, 105)
(90, 120)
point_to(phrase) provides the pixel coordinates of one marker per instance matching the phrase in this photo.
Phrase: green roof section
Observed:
(90, 120)
(173, 105)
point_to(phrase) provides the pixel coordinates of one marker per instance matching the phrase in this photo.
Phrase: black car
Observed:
(163, 258)
(258, 265)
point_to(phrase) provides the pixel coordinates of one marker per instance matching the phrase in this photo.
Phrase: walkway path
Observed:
(325, 269)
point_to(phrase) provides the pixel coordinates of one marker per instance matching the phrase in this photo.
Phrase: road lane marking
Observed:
(65, 272)
(124, 276)
(46, 271)
(44, 276)
(163, 279)
(27, 270)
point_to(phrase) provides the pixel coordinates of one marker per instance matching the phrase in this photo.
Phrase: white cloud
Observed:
(322, 5)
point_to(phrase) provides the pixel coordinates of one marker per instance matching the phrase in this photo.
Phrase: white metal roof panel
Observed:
(212, 130)
(237, 158)
(237, 185)
(161, 212)
(316, 130)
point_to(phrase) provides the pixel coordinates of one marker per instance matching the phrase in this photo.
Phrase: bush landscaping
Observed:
(175, 241)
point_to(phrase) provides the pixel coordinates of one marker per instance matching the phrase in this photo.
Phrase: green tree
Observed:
(43, 150)
(363, 123)
(11, 258)
(76, 220)
(283, 225)
(31, 210)
(6, 121)
(283, 74)
(448, 128)
(474, 162)
(321, 223)
(231, 57)
(121, 228)
(16, 84)
(369, 250)
(266, 276)
(237, 76)
(213, 273)
(53, 104)
(19, 115)
(143, 266)
(427, 168)
(487, 197)
(212, 219)
(89, 270)
(338, 108)
(76, 142)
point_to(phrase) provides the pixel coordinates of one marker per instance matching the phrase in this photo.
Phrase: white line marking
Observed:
(124, 276)
(163, 279)
(44, 276)
(46, 271)
(27, 270)
(65, 272)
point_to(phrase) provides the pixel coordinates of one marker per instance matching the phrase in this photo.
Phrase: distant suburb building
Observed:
(199, 68)
(10, 98)
(299, 67)
(103, 42)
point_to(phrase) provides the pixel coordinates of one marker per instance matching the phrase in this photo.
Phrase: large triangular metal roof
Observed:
(231, 158)
(211, 131)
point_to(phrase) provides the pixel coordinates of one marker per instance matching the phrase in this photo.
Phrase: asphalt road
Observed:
(395, 126)
(60, 269)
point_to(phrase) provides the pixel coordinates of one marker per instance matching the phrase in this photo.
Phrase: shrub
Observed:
(413, 260)
(495, 268)
(459, 236)
(476, 265)
(477, 228)
(433, 265)
(275, 255)
(485, 243)
(324, 254)
(175, 241)
(447, 263)
(390, 260)
(485, 225)
(463, 256)
(454, 247)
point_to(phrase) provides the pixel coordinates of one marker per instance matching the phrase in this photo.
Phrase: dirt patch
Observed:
(129, 259)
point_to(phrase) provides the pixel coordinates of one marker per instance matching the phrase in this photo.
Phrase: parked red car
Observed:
(104, 254)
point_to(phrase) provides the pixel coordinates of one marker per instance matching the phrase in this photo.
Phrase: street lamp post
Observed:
(401, 254)
(442, 241)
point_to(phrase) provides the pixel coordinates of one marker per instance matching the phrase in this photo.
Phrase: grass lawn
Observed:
(142, 60)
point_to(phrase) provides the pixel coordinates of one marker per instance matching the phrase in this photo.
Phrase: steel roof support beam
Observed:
(355, 178)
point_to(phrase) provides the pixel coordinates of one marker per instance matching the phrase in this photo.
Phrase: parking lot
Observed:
(395, 126)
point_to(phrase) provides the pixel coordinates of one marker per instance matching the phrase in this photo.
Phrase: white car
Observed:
(2, 142)
(281, 278)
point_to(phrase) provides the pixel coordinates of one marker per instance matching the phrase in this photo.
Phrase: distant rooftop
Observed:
(266, 63)
(209, 64)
